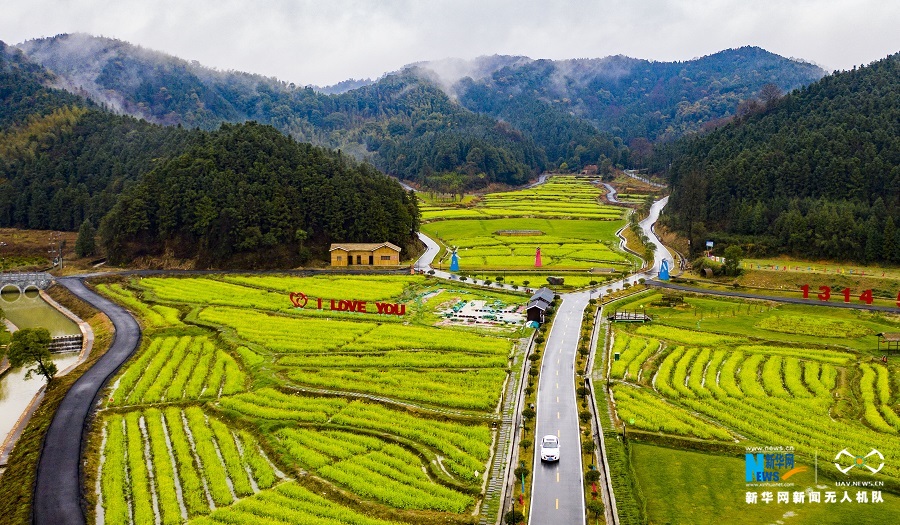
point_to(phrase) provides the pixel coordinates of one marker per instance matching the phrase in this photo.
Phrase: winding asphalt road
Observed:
(57, 491)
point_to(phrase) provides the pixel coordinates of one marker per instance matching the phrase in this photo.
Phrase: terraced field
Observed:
(559, 197)
(754, 374)
(238, 404)
(736, 386)
(563, 217)
(176, 464)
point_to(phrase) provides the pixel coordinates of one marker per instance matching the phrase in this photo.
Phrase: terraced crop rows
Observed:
(368, 288)
(559, 196)
(370, 467)
(465, 448)
(465, 389)
(288, 503)
(178, 368)
(427, 458)
(757, 391)
(173, 465)
(577, 231)
(410, 375)
(155, 316)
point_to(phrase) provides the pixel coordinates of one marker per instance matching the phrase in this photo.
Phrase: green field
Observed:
(573, 230)
(235, 394)
(559, 197)
(681, 486)
(819, 267)
(732, 372)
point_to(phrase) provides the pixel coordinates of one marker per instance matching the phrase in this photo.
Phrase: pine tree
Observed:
(889, 246)
(85, 244)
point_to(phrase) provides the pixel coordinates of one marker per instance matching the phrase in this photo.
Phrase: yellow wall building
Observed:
(362, 254)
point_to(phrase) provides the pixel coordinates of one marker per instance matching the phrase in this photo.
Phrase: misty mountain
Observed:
(815, 174)
(403, 123)
(245, 195)
(628, 97)
(23, 88)
(452, 124)
(64, 160)
(344, 86)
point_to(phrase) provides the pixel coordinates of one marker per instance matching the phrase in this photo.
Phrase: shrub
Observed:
(595, 507)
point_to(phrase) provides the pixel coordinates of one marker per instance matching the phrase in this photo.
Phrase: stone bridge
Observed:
(25, 281)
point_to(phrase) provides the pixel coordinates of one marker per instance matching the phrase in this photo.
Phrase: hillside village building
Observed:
(365, 254)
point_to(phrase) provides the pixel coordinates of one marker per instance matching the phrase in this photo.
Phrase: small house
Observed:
(365, 254)
(537, 305)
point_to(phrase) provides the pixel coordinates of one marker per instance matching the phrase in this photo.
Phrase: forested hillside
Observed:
(243, 189)
(62, 159)
(814, 174)
(249, 195)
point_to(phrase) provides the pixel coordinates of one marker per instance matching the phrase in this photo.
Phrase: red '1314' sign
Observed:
(825, 294)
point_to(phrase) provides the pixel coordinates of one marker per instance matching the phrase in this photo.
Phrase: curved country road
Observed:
(57, 491)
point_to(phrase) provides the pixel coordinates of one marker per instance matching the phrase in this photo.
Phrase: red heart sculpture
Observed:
(299, 299)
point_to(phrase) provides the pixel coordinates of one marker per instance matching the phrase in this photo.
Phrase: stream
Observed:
(28, 310)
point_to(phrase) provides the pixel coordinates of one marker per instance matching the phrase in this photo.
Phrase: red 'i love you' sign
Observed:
(300, 300)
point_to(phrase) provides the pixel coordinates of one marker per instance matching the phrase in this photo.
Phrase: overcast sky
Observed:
(325, 41)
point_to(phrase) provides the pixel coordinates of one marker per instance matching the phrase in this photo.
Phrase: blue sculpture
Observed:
(664, 270)
(454, 262)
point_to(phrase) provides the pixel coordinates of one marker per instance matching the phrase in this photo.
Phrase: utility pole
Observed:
(57, 243)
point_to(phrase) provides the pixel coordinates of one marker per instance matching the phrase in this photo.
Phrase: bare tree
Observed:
(769, 94)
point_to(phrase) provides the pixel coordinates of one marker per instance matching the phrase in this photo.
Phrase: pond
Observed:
(28, 310)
